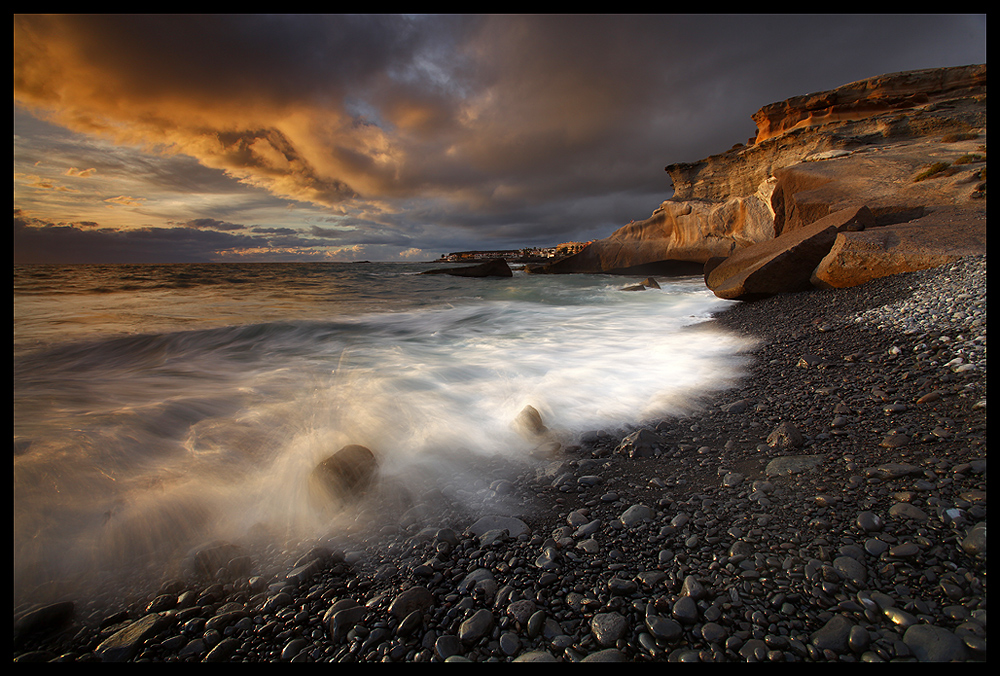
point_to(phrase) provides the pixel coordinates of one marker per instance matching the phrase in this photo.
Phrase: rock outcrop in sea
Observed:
(910, 147)
(496, 267)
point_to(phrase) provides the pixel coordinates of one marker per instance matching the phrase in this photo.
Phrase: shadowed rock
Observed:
(44, 620)
(345, 474)
(496, 267)
(207, 559)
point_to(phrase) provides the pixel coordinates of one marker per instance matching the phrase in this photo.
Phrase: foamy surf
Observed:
(133, 445)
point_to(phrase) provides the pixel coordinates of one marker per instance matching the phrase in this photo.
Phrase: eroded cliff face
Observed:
(891, 93)
(813, 155)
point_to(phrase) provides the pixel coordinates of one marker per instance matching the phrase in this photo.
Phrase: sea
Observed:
(159, 407)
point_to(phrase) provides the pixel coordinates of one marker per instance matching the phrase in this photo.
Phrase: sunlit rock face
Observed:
(895, 92)
(783, 263)
(677, 239)
(858, 145)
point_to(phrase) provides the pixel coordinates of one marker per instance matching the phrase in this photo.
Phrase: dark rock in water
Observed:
(346, 473)
(205, 560)
(648, 283)
(608, 261)
(529, 425)
(496, 267)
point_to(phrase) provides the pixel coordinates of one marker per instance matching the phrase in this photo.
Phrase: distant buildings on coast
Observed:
(528, 253)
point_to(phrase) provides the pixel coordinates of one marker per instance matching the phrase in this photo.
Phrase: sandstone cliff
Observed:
(862, 144)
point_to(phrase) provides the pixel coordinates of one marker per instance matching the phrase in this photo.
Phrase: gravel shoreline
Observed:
(829, 507)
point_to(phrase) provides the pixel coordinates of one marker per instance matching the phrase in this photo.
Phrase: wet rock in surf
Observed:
(529, 424)
(648, 283)
(216, 559)
(345, 474)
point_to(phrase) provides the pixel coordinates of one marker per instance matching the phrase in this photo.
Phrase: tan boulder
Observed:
(937, 239)
(785, 263)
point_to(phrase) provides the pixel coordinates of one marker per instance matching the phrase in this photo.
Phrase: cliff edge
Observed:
(908, 147)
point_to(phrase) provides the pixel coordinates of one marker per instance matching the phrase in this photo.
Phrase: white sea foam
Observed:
(131, 448)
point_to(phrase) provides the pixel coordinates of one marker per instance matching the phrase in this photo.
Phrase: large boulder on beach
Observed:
(937, 239)
(496, 267)
(345, 474)
(784, 263)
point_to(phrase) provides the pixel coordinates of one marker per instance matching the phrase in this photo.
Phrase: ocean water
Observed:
(158, 407)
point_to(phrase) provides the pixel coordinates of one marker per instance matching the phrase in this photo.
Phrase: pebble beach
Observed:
(830, 507)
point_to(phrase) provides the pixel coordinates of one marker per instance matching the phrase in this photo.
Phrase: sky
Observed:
(244, 138)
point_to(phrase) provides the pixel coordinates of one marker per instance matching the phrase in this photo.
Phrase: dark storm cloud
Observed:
(37, 241)
(499, 128)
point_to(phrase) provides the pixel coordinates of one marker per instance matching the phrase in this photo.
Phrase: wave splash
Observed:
(131, 450)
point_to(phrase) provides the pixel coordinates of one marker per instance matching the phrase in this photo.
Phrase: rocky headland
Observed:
(910, 148)
(829, 507)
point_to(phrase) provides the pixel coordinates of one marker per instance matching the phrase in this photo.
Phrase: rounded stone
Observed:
(636, 514)
(693, 588)
(869, 522)
(447, 645)
(851, 569)
(474, 628)
(713, 632)
(608, 628)
(509, 643)
(833, 635)
(685, 610)
(930, 643)
(663, 627)
(406, 602)
(858, 639)
(606, 655)
(536, 656)
(904, 510)
(974, 543)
